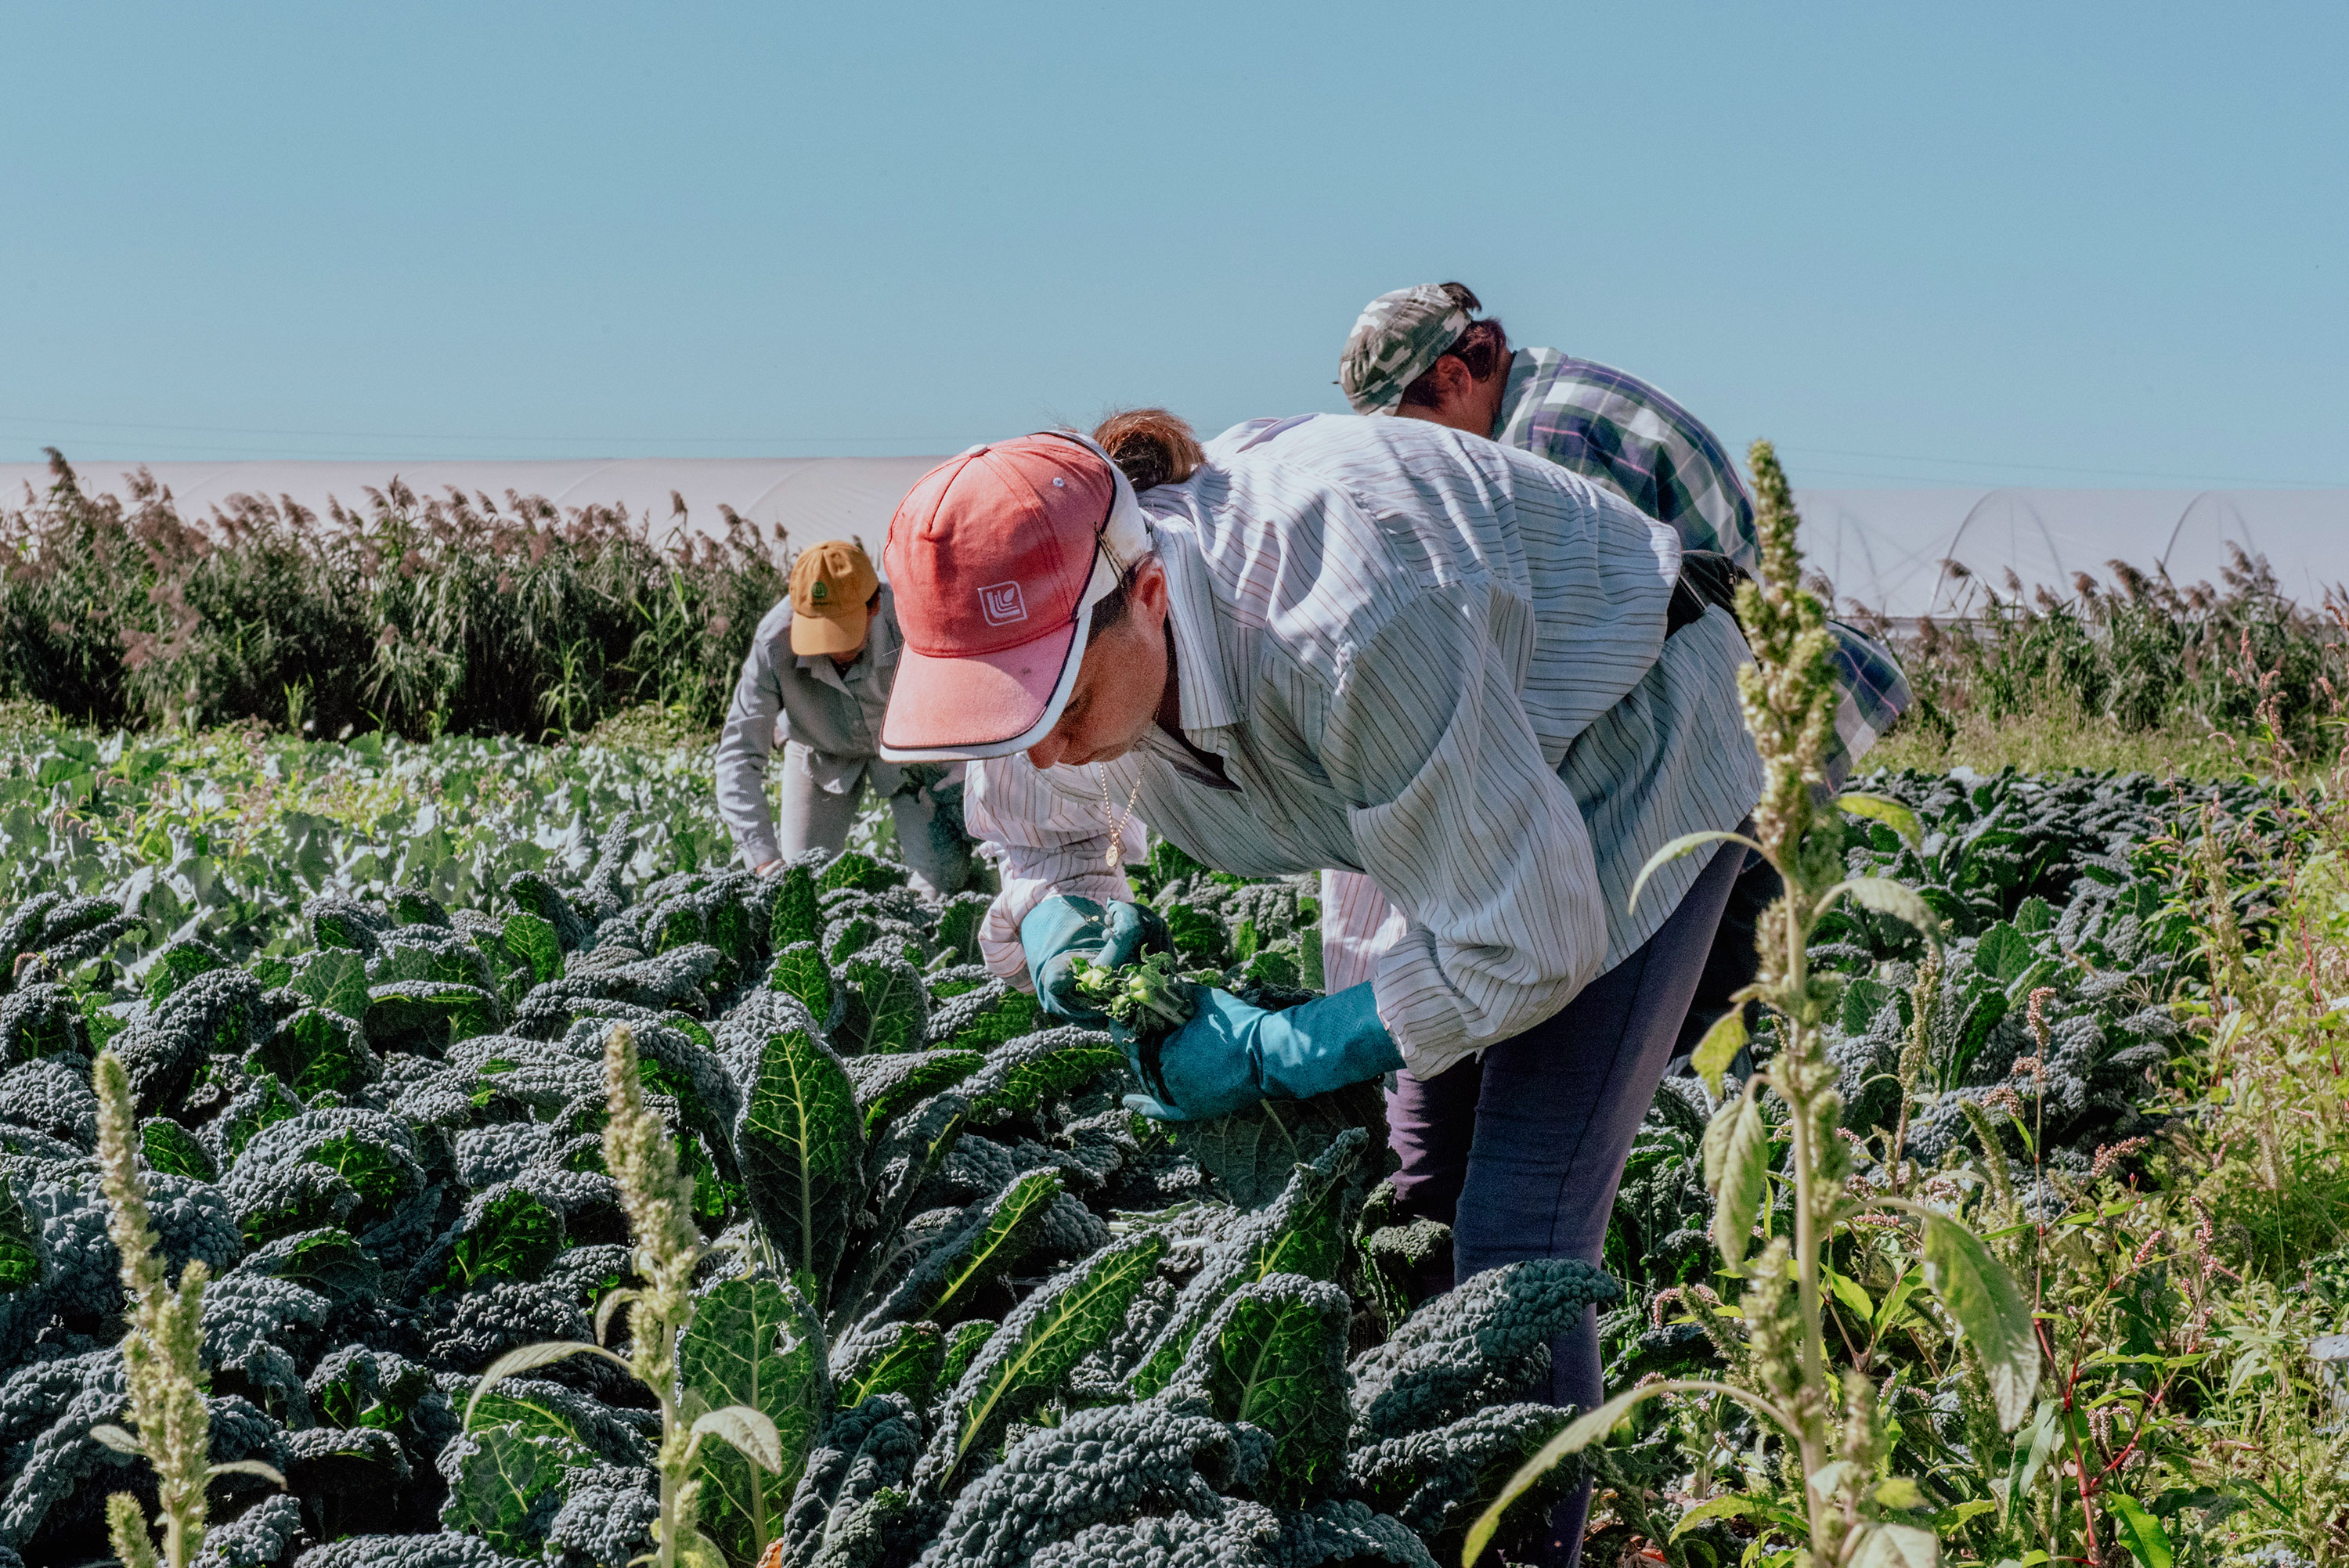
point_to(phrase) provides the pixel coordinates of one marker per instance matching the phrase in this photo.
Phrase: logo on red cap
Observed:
(1002, 604)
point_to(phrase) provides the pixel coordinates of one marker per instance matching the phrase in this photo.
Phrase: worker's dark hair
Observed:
(1152, 446)
(1482, 349)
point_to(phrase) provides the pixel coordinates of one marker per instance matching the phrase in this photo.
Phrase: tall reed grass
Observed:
(2136, 655)
(417, 615)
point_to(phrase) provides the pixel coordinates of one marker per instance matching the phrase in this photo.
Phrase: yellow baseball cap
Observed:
(832, 584)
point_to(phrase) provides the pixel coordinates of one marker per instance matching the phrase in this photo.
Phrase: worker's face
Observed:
(1118, 684)
(856, 653)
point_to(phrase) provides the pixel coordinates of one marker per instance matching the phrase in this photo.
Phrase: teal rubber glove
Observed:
(1230, 1054)
(1060, 931)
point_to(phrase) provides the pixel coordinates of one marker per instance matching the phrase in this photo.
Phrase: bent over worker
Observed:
(1479, 680)
(1422, 354)
(817, 680)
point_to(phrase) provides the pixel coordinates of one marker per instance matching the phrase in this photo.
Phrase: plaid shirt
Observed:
(1617, 430)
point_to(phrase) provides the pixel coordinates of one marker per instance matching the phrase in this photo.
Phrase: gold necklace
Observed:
(1116, 824)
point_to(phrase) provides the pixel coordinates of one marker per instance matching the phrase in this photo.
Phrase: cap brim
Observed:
(987, 705)
(829, 634)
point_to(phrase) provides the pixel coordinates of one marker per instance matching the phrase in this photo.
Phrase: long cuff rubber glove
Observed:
(1061, 930)
(1230, 1054)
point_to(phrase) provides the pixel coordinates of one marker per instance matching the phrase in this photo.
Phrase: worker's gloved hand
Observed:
(1230, 1054)
(1061, 930)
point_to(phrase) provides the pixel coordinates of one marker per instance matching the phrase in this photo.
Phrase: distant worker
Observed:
(817, 680)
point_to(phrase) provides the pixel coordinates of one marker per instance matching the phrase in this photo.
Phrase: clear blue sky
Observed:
(2091, 244)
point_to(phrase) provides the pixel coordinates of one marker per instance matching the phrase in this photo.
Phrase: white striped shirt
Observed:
(1436, 661)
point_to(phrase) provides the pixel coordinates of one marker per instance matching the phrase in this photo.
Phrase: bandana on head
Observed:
(1398, 339)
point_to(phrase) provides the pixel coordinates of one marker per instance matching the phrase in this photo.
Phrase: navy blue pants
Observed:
(1520, 1152)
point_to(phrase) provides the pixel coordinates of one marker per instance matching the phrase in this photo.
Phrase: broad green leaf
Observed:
(1883, 809)
(1887, 1314)
(2002, 954)
(1736, 1505)
(412, 908)
(902, 1358)
(335, 979)
(798, 917)
(437, 1010)
(508, 1487)
(1018, 1076)
(1738, 1178)
(958, 929)
(800, 971)
(962, 1349)
(2029, 1458)
(896, 1012)
(1042, 1342)
(1251, 1154)
(1895, 1546)
(523, 1406)
(1720, 1047)
(748, 1349)
(802, 1148)
(20, 1253)
(856, 869)
(270, 972)
(2034, 916)
(171, 1149)
(748, 1433)
(1014, 1013)
(513, 1237)
(274, 1104)
(1990, 1309)
(1951, 1520)
(945, 1287)
(888, 1086)
(1863, 998)
(1896, 899)
(318, 1049)
(2142, 1533)
(1302, 1231)
(1853, 1295)
(176, 964)
(1686, 844)
(1274, 1355)
(534, 941)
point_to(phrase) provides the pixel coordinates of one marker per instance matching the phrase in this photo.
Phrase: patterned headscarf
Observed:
(1397, 338)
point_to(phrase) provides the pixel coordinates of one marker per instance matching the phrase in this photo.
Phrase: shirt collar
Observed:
(1203, 684)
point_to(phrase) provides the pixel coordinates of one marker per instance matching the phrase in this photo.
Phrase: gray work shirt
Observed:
(782, 696)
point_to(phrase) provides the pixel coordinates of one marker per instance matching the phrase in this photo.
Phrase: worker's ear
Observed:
(1453, 381)
(1147, 592)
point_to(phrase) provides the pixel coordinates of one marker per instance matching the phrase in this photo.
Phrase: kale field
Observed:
(363, 996)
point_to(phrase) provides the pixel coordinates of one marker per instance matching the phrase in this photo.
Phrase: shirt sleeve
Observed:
(1457, 818)
(744, 747)
(1052, 841)
(1874, 692)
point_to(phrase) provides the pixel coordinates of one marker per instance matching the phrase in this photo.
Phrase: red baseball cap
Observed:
(995, 559)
